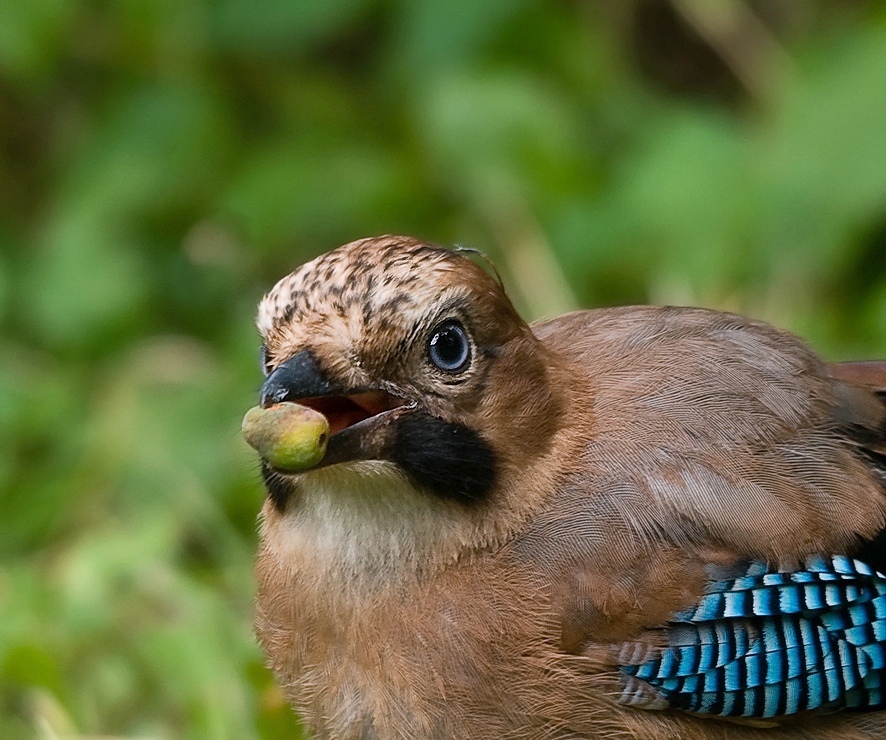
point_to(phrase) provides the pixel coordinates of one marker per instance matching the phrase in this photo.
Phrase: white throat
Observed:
(364, 525)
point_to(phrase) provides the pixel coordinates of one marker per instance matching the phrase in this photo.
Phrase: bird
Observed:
(638, 522)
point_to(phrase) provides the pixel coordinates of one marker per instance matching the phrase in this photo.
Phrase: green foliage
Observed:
(163, 163)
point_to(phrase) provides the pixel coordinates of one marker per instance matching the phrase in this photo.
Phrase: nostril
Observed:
(295, 378)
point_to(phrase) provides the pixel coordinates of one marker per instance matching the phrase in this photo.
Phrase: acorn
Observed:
(289, 436)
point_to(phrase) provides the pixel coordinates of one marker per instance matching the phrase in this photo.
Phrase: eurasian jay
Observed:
(637, 522)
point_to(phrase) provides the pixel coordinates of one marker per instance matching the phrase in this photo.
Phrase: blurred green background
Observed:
(164, 162)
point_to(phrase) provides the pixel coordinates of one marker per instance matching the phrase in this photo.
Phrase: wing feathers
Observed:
(773, 643)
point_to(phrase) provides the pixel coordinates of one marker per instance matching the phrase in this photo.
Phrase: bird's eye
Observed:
(263, 358)
(449, 348)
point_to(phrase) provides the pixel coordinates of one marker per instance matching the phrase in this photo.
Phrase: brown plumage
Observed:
(492, 536)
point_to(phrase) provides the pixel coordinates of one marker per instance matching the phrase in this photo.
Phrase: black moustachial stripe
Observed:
(279, 487)
(447, 459)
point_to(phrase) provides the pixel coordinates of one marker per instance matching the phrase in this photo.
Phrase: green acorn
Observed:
(290, 437)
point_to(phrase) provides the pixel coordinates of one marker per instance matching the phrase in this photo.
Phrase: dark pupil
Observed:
(449, 348)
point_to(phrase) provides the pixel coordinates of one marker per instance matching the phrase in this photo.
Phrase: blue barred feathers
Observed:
(774, 643)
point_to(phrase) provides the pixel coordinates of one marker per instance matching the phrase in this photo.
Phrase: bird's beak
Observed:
(298, 377)
(361, 420)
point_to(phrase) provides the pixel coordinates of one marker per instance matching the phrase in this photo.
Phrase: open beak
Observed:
(348, 410)
(360, 420)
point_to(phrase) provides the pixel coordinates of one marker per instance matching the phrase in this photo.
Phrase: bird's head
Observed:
(418, 360)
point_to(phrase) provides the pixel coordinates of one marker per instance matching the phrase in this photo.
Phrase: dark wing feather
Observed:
(861, 392)
(861, 409)
(869, 374)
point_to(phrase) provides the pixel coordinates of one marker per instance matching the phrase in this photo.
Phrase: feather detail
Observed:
(774, 643)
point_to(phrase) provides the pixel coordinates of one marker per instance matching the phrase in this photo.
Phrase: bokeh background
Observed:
(164, 162)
